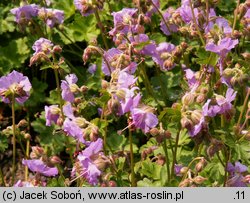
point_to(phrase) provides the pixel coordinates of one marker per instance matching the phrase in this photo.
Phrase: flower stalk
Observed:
(195, 23)
(132, 164)
(102, 28)
(14, 139)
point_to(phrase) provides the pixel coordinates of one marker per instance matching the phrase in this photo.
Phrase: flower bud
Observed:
(112, 183)
(199, 180)
(186, 123)
(74, 88)
(160, 160)
(246, 55)
(81, 122)
(196, 116)
(160, 138)
(55, 160)
(102, 162)
(33, 155)
(167, 134)
(105, 84)
(39, 58)
(168, 64)
(27, 136)
(154, 131)
(22, 123)
(184, 183)
(57, 49)
(184, 170)
(200, 98)
(39, 151)
(114, 106)
(60, 121)
(200, 165)
(188, 98)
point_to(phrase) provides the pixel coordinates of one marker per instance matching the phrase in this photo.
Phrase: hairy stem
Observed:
(165, 22)
(27, 155)
(101, 52)
(189, 166)
(235, 15)
(175, 151)
(59, 91)
(132, 164)
(14, 139)
(227, 158)
(164, 145)
(102, 28)
(195, 23)
(243, 108)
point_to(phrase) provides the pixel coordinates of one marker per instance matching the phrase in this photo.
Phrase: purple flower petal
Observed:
(38, 166)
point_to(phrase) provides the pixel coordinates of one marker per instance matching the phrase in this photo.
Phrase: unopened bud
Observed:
(246, 55)
(201, 98)
(184, 183)
(168, 64)
(84, 89)
(74, 88)
(105, 84)
(184, 170)
(22, 123)
(33, 155)
(39, 58)
(38, 150)
(57, 49)
(186, 123)
(102, 162)
(160, 160)
(154, 131)
(55, 160)
(146, 19)
(167, 134)
(112, 183)
(199, 180)
(81, 122)
(55, 110)
(188, 99)
(59, 121)
(27, 136)
(196, 116)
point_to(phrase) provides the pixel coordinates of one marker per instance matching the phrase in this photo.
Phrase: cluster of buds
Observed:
(160, 134)
(235, 76)
(87, 7)
(179, 51)
(110, 183)
(39, 153)
(192, 181)
(190, 118)
(91, 132)
(146, 152)
(200, 165)
(214, 147)
(88, 52)
(52, 17)
(199, 96)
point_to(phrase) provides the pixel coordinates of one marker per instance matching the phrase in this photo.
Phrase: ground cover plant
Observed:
(122, 93)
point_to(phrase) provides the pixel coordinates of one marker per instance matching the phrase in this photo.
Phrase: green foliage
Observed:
(82, 28)
(14, 54)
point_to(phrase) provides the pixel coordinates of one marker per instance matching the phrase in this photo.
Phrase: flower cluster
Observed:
(15, 85)
(26, 13)
(177, 79)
